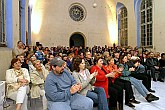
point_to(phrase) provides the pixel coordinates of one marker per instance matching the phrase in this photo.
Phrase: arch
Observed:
(77, 39)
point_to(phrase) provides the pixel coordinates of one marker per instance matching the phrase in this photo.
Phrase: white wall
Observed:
(159, 25)
(57, 26)
(5, 58)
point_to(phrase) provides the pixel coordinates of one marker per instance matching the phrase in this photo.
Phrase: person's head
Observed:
(110, 60)
(50, 56)
(65, 57)
(88, 55)
(116, 54)
(19, 44)
(98, 61)
(37, 65)
(123, 59)
(21, 57)
(16, 63)
(33, 58)
(129, 56)
(151, 54)
(163, 56)
(79, 64)
(121, 67)
(136, 62)
(57, 65)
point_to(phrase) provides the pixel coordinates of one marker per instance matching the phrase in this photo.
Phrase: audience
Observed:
(68, 84)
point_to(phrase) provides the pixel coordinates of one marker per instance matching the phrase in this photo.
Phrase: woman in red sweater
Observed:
(102, 81)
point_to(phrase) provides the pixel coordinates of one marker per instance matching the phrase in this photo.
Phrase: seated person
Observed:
(31, 67)
(61, 89)
(152, 64)
(17, 80)
(126, 75)
(47, 65)
(23, 62)
(38, 77)
(126, 85)
(83, 76)
(162, 68)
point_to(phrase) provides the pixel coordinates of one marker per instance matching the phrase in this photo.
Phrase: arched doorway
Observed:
(77, 40)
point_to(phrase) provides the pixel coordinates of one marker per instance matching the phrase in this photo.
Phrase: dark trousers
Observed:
(146, 79)
(126, 85)
(116, 94)
(162, 73)
(153, 70)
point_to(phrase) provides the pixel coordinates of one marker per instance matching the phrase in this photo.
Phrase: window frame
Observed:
(3, 42)
(123, 26)
(146, 23)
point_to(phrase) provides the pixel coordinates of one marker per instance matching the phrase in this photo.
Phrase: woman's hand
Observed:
(22, 80)
(132, 69)
(94, 74)
(112, 75)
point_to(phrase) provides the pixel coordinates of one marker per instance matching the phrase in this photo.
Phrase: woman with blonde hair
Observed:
(38, 77)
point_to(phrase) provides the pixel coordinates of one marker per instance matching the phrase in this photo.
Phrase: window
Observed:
(123, 27)
(146, 23)
(2, 23)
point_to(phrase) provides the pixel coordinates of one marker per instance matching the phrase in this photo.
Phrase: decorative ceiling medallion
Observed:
(77, 12)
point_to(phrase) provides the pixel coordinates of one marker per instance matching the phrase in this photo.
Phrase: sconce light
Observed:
(94, 4)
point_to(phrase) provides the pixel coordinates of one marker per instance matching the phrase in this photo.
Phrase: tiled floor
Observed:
(144, 105)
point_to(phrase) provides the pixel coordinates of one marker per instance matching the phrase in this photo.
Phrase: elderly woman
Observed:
(83, 76)
(17, 80)
(31, 67)
(38, 77)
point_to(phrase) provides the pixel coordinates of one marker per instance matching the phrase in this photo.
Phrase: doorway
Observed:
(77, 40)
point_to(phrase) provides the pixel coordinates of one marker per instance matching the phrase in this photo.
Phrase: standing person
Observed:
(61, 89)
(17, 80)
(38, 77)
(83, 76)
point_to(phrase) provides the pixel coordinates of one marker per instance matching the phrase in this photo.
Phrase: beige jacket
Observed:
(11, 79)
(37, 82)
(86, 84)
